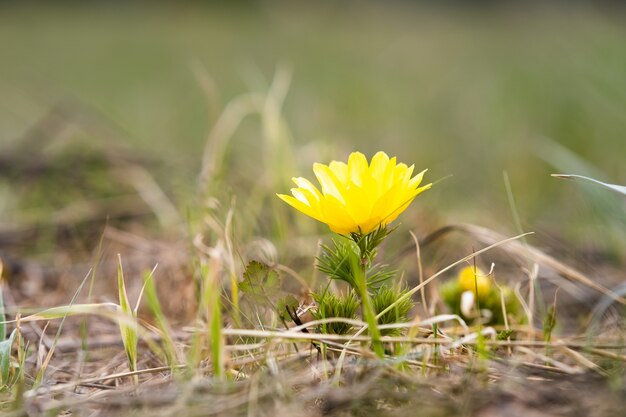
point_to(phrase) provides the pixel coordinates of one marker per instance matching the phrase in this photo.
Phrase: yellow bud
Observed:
(470, 281)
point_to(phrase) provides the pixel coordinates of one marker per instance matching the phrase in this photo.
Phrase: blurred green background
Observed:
(469, 92)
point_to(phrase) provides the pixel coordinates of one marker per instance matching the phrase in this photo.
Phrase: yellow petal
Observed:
(387, 178)
(299, 195)
(334, 213)
(394, 213)
(470, 280)
(403, 173)
(394, 202)
(358, 204)
(340, 229)
(307, 197)
(357, 168)
(403, 201)
(416, 180)
(388, 207)
(378, 164)
(370, 225)
(306, 184)
(329, 182)
(299, 205)
(340, 169)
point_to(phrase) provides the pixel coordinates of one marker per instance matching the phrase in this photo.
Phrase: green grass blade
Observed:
(128, 328)
(154, 305)
(5, 359)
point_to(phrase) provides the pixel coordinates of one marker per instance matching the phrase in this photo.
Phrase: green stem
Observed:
(366, 305)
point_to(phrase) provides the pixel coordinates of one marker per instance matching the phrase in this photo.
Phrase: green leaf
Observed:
(5, 359)
(260, 282)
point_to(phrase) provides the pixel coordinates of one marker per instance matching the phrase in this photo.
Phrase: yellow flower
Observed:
(357, 197)
(470, 281)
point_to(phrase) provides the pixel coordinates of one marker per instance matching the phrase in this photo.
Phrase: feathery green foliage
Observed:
(385, 297)
(335, 261)
(368, 243)
(336, 306)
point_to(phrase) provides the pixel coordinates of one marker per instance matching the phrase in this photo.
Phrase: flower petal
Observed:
(307, 197)
(357, 168)
(378, 164)
(358, 204)
(335, 214)
(306, 184)
(299, 205)
(387, 178)
(340, 169)
(416, 180)
(329, 182)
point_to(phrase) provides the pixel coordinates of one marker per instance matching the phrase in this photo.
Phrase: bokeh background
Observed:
(474, 92)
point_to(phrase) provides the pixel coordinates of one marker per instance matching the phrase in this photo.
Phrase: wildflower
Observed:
(475, 281)
(357, 197)
(460, 295)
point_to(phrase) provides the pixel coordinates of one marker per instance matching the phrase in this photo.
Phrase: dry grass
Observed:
(269, 371)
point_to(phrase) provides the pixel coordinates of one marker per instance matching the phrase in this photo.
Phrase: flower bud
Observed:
(475, 281)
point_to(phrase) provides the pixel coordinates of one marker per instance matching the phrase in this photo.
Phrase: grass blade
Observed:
(5, 359)
(614, 187)
(128, 328)
(154, 305)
